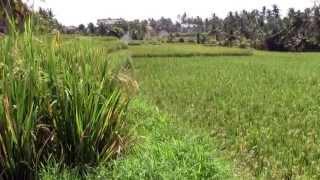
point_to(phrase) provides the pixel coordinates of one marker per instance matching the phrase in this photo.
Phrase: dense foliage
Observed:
(265, 29)
(261, 29)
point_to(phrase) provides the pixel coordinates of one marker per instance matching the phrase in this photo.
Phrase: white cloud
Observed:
(74, 12)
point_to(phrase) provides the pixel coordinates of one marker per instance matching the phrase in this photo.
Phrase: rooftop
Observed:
(109, 21)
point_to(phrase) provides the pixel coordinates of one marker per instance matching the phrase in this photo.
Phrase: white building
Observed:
(70, 29)
(188, 27)
(163, 34)
(110, 21)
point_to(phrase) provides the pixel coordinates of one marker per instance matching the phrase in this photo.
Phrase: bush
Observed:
(258, 45)
(181, 40)
(191, 41)
(244, 43)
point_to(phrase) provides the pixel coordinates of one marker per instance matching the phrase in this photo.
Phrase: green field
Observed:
(261, 110)
(159, 98)
(168, 111)
(184, 50)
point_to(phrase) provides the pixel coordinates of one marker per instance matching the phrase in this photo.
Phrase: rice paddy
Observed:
(171, 111)
(262, 111)
(185, 50)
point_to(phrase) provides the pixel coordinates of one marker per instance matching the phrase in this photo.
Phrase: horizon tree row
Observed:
(260, 29)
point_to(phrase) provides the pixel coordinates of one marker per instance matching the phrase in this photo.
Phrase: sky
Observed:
(75, 12)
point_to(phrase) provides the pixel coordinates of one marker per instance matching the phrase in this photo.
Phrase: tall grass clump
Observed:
(59, 102)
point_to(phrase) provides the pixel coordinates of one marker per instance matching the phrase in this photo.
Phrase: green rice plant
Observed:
(109, 45)
(262, 111)
(18, 152)
(185, 50)
(135, 43)
(59, 101)
(88, 109)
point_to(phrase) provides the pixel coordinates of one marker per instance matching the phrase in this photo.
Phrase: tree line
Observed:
(265, 28)
(298, 30)
(13, 13)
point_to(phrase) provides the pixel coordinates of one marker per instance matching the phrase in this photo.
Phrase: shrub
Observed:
(244, 43)
(258, 45)
(191, 41)
(181, 40)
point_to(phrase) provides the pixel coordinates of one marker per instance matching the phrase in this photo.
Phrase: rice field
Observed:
(184, 50)
(262, 111)
(82, 107)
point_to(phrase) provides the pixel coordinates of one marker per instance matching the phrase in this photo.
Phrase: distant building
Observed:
(126, 38)
(188, 28)
(110, 21)
(163, 34)
(150, 33)
(70, 29)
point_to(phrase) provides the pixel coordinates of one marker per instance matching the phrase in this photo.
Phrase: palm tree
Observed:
(91, 28)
